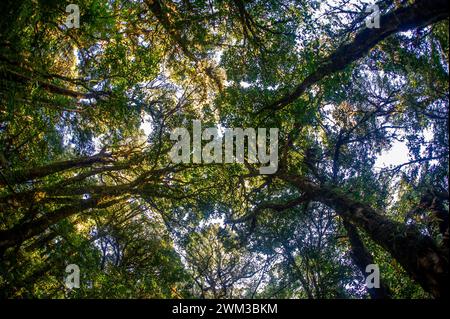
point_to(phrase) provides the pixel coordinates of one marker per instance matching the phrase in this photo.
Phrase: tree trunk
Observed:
(418, 254)
(20, 176)
(362, 257)
(19, 233)
(420, 14)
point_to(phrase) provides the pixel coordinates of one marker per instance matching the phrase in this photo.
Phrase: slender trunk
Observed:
(362, 257)
(293, 264)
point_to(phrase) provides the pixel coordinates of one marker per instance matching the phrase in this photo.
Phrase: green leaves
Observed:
(139, 226)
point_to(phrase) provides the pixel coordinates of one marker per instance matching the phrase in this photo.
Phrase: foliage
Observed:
(86, 178)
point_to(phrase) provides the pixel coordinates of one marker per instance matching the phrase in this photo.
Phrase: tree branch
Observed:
(420, 14)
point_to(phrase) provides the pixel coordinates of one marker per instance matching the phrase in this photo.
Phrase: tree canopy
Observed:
(86, 176)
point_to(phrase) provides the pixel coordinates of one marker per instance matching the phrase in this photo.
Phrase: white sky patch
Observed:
(97, 141)
(221, 130)
(213, 221)
(179, 93)
(396, 155)
(244, 84)
(147, 125)
(77, 59)
(218, 56)
(428, 134)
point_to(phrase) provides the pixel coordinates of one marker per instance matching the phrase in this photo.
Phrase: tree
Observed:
(85, 121)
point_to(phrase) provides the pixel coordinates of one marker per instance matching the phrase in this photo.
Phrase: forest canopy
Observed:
(89, 104)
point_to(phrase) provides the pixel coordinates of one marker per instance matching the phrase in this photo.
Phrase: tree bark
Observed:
(49, 87)
(19, 233)
(418, 254)
(362, 257)
(20, 176)
(417, 15)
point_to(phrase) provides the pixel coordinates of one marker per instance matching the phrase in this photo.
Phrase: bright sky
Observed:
(146, 126)
(398, 154)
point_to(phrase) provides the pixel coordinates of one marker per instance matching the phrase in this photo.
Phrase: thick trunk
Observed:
(362, 257)
(418, 254)
(434, 202)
